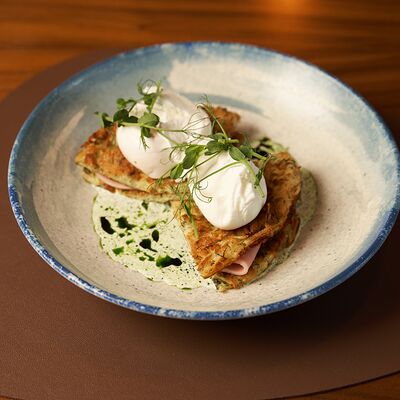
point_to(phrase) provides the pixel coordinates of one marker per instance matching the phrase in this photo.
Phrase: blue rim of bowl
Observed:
(186, 314)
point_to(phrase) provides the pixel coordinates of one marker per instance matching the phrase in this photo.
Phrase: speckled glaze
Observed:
(328, 128)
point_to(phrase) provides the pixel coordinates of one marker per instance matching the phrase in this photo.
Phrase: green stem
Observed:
(156, 128)
(198, 165)
(155, 98)
(169, 139)
(208, 108)
(254, 176)
(259, 156)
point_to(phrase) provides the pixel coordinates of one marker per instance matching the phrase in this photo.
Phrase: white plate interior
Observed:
(327, 128)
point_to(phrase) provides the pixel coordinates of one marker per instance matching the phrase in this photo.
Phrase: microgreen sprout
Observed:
(189, 183)
(196, 151)
(123, 117)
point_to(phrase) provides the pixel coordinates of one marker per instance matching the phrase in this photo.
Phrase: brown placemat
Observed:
(59, 342)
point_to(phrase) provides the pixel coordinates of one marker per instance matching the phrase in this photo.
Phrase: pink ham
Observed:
(242, 264)
(112, 183)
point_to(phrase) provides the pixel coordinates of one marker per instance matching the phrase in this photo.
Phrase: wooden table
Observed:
(358, 41)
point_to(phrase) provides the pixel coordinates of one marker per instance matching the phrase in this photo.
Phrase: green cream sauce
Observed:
(145, 237)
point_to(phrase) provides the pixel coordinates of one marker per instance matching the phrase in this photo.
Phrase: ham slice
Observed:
(242, 264)
(112, 183)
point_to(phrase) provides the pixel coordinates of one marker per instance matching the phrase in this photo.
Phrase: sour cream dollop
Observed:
(175, 112)
(228, 199)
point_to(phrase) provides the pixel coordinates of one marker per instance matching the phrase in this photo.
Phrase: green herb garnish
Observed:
(155, 235)
(186, 172)
(146, 244)
(166, 261)
(106, 226)
(147, 121)
(123, 223)
(196, 151)
(118, 250)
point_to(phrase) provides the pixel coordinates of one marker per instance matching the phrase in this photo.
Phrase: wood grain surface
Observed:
(358, 41)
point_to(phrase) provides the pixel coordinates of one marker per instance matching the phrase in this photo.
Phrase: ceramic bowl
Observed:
(329, 129)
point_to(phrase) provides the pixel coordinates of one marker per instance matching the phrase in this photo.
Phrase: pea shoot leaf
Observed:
(192, 154)
(128, 103)
(218, 136)
(149, 98)
(236, 154)
(246, 150)
(214, 146)
(123, 116)
(149, 119)
(177, 171)
(145, 132)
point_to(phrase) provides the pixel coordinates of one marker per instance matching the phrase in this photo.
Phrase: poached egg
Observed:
(228, 199)
(175, 112)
